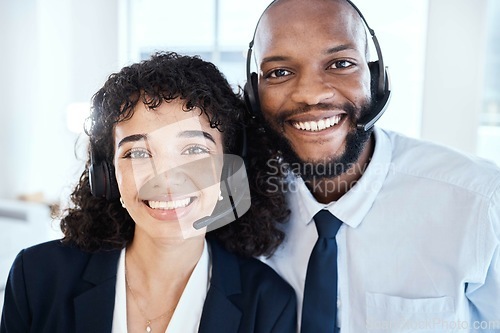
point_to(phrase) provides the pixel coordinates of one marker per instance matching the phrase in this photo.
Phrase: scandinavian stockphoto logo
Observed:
(315, 173)
(431, 325)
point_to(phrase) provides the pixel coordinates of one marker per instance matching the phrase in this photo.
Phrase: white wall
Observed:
(454, 68)
(401, 28)
(18, 65)
(54, 52)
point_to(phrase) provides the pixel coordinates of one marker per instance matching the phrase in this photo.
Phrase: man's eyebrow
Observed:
(339, 48)
(331, 50)
(274, 58)
(132, 138)
(193, 134)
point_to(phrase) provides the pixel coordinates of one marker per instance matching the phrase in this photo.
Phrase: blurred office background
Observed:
(443, 58)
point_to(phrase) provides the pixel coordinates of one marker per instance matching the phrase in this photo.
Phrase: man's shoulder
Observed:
(433, 161)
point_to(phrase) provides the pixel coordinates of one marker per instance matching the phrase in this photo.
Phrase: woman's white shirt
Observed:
(187, 314)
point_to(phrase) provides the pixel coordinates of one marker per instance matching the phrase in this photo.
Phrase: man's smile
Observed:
(317, 125)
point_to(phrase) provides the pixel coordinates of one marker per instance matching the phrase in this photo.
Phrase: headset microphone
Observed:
(220, 215)
(236, 194)
(380, 81)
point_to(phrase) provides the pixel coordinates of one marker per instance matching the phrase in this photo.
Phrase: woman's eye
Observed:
(279, 73)
(342, 64)
(195, 150)
(137, 154)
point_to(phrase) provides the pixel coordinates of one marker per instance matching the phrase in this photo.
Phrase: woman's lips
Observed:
(170, 204)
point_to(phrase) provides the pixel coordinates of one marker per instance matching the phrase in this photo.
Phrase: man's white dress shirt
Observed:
(419, 248)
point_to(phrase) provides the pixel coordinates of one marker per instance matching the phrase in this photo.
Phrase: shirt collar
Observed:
(355, 204)
(187, 314)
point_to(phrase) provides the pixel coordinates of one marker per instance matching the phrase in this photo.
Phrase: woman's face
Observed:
(168, 166)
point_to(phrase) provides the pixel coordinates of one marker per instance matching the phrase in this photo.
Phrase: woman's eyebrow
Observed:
(133, 138)
(193, 134)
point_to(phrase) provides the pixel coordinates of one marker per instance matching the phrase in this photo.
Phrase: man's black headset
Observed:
(380, 83)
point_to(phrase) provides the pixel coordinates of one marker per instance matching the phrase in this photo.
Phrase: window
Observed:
(216, 30)
(489, 126)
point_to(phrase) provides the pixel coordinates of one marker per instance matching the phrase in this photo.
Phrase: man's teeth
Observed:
(169, 204)
(315, 126)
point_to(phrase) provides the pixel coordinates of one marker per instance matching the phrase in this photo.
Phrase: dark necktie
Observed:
(319, 309)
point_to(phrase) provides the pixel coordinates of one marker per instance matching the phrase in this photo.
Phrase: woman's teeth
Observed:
(169, 204)
(315, 126)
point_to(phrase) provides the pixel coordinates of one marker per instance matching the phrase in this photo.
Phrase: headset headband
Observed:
(381, 79)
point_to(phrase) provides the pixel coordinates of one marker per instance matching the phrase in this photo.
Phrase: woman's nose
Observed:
(202, 172)
(165, 172)
(162, 183)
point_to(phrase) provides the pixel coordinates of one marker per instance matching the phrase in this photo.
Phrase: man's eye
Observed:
(195, 150)
(342, 64)
(279, 73)
(137, 154)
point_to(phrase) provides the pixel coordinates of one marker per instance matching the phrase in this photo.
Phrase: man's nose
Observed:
(312, 88)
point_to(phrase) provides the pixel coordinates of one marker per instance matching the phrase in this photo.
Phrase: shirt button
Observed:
(338, 303)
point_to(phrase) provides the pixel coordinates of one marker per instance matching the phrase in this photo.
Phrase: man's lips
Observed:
(315, 125)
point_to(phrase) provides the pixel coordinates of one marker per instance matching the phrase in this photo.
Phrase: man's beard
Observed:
(330, 166)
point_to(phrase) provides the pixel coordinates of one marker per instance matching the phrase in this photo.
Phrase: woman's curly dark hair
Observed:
(94, 223)
(257, 233)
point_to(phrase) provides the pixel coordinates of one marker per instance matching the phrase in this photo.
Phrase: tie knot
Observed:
(326, 224)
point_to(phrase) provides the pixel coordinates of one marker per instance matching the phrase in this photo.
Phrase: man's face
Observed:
(314, 81)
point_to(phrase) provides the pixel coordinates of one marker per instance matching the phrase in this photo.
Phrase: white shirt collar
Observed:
(187, 314)
(357, 201)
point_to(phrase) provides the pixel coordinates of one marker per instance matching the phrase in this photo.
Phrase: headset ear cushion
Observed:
(374, 74)
(112, 191)
(102, 181)
(97, 180)
(251, 94)
(381, 94)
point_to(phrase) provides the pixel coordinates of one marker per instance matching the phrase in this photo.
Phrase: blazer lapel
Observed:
(94, 306)
(220, 313)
